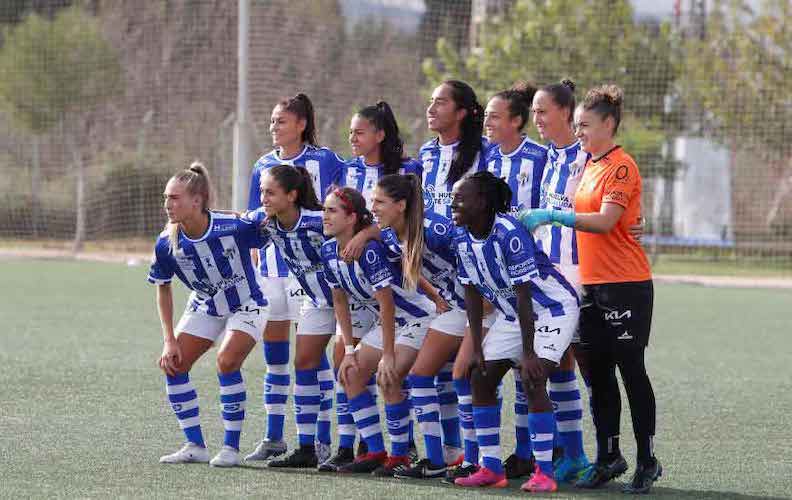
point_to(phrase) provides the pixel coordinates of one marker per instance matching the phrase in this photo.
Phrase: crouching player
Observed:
(210, 253)
(537, 314)
(389, 349)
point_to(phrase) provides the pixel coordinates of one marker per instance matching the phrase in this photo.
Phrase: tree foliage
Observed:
(589, 41)
(739, 74)
(49, 68)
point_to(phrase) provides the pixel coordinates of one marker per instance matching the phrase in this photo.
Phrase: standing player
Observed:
(210, 253)
(390, 348)
(617, 309)
(519, 161)
(537, 313)
(378, 149)
(514, 157)
(293, 129)
(456, 116)
(292, 217)
(553, 108)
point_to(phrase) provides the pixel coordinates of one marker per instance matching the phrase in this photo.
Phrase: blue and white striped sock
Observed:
(447, 397)
(232, 404)
(465, 409)
(405, 390)
(184, 403)
(398, 417)
(487, 421)
(306, 405)
(346, 424)
(276, 387)
(326, 388)
(425, 405)
(521, 427)
(541, 425)
(568, 408)
(366, 415)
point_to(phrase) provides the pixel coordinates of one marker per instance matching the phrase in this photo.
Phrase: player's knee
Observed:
(228, 362)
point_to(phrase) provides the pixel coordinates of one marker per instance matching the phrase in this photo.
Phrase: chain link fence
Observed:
(101, 101)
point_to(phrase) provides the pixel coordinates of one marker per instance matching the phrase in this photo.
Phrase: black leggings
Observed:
(615, 324)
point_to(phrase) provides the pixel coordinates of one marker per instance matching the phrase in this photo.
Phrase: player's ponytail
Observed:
(470, 129)
(408, 187)
(302, 107)
(296, 179)
(605, 100)
(196, 182)
(563, 95)
(519, 98)
(381, 117)
(353, 202)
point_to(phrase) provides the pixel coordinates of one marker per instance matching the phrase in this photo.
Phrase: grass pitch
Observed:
(83, 411)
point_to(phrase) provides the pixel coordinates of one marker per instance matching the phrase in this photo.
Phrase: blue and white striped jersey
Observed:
(436, 161)
(508, 257)
(371, 272)
(562, 175)
(217, 266)
(439, 263)
(300, 247)
(522, 171)
(325, 168)
(357, 175)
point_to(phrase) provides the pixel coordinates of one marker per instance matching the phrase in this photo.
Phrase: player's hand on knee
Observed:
(532, 370)
(171, 357)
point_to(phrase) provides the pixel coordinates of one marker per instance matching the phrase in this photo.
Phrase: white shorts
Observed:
(411, 335)
(552, 336)
(572, 275)
(451, 322)
(285, 296)
(363, 320)
(250, 318)
(315, 320)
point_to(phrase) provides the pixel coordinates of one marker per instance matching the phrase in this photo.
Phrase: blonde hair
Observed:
(196, 182)
(408, 187)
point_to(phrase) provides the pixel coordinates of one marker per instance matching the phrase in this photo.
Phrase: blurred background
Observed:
(102, 100)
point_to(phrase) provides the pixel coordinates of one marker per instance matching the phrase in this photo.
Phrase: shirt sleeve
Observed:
(463, 260)
(621, 184)
(161, 271)
(519, 250)
(336, 170)
(393, 251)
(254, 199)
(414, 167)
(375, 266)
(259, 232)
(329, 262)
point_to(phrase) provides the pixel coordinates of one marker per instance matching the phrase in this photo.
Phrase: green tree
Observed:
(51, 71)
(591, 41)
(738, 73)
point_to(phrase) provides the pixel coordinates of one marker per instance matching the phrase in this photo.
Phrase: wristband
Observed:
(349, 349)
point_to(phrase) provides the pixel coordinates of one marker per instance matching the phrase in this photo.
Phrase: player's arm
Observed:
(171, 353)
(387, 308)
(440, 304)
(354, 248)
(531, 365)
(474, 306)
(344, 318)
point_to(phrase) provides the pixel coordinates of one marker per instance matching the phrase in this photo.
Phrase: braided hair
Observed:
(494, 191)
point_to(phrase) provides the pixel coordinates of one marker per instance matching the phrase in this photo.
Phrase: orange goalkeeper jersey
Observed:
(613, 257)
